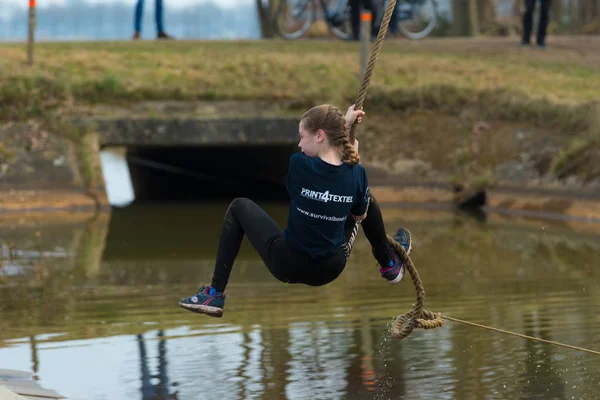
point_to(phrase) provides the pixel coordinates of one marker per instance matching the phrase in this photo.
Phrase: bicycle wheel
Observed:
(417, 18)
(340, 26)
(293, 18)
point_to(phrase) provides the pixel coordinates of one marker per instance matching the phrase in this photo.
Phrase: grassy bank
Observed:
(300, 73)
(443, 87)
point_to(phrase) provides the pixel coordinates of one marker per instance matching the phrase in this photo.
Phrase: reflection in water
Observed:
(34, 357)
(106, 293)
(540, 367)
(150, 389)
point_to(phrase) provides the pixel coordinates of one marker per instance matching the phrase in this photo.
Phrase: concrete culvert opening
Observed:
(162, 174)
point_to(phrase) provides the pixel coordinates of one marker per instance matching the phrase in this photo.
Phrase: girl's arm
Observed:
(359, 218)
(361, 202)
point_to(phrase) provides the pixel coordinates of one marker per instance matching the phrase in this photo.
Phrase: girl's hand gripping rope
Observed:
(353, 115)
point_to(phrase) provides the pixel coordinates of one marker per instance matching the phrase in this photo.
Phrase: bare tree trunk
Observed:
(581, 17)
(264, 14)
(557, 12)
(593, 10)
(585, 9)
(486, 13)
(516, 9)
(573, 15)
(473, 18)
(460, 18)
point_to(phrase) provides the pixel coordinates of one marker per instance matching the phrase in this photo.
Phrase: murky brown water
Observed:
(91, 309)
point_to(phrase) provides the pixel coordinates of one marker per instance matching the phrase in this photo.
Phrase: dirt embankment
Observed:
(477, 112)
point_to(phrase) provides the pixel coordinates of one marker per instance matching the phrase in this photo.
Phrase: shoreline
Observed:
(571, 205)
(528, 202)
(430, 120)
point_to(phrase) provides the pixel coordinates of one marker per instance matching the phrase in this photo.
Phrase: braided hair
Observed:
(331, 120)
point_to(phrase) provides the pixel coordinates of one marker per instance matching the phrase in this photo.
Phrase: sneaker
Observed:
(136, 36)
(207, 301)
(164, 36)
(395, 271)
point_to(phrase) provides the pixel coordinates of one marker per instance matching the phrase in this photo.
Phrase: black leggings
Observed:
(355, 10)
(286, 264)
(528, 20)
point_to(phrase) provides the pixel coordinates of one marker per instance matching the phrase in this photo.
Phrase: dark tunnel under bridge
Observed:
(196, 159)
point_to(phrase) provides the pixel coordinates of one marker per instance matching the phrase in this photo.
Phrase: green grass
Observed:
(557, 89)
(301, 73)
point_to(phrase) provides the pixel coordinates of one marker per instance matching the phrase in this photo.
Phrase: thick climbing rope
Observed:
(416, 318)
(521, 335)
(404, 324)
(362, 92)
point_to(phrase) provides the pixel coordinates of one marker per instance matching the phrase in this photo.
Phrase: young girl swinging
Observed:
(329, 194)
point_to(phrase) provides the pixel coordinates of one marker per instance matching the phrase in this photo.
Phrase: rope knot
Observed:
(417, 318)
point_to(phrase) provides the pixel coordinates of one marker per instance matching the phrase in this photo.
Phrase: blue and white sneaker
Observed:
(395, 270)
(207, 301)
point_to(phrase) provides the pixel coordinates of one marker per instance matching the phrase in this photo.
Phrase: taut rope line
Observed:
(521, 335)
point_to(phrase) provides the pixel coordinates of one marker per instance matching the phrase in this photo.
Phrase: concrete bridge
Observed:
(186, 157)
(149, 150)
(197, 132)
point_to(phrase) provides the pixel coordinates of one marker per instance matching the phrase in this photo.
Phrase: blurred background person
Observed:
(158, 14)
(542, 24)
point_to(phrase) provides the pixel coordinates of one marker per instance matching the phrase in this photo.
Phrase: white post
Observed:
(31, 32)
(366, 19)
(119, 188)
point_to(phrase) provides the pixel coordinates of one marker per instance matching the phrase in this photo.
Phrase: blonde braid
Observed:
(349, 154)
(333, 123)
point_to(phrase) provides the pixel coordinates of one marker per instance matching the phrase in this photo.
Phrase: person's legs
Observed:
(158, 13)
(351, 228)
(528, 21)
(544, 17)
(393, 26)
(290, 266)
(246, 217)
(372, 6)
(374, 228)
(243, 217)
(139, 13)
(355, 7)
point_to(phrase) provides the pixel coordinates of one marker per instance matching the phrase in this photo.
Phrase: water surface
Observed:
(90, 308)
